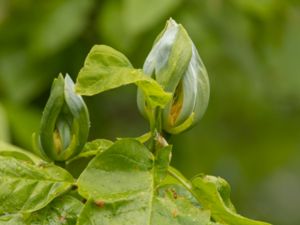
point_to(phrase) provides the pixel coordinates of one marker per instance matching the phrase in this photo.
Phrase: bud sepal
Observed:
(65, 122)
(175, 64)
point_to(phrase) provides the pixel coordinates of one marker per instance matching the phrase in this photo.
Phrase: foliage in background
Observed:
(250, 133)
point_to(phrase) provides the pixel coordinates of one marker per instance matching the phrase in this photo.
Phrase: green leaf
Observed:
(27, 187)
(162, 162)
(120, 188)
(214, 194)
(18, 153)
(175, 205)
(105, 69)
(179, 189)
(143, 138)
(77, 164)
(93, 148)
(62, 210)
(163, 209)
(12, 219)
(117, 164)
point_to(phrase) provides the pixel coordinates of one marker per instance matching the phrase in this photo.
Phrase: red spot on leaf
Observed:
(100, 203)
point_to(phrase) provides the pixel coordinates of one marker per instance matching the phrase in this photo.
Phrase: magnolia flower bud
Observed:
(65, 122)
(176, 65)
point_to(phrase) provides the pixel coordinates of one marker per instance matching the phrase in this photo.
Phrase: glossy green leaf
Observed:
(170, 182)
(120, 186)
(18, 153)
(110, 176)
(214, 194)
(62, 210)
(27, 187)
(93, 148)
(77, 164)
(175, 205)
(163, 209)
(143, 138)
(105, 69)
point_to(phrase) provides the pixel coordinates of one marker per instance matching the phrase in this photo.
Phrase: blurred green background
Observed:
(250, 133)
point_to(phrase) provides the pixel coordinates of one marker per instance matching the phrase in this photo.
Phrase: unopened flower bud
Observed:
(175, 64)
(65, 122)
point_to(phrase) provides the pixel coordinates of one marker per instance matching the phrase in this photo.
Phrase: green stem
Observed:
(155, 121)
(155, 128)
(158, 120)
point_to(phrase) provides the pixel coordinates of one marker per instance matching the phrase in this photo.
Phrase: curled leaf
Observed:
(214, 194)
(105, 68)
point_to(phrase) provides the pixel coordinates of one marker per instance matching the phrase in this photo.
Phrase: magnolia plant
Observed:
(129, 181)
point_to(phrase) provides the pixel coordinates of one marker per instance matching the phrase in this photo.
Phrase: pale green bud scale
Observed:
(65, 122)
(176, 65)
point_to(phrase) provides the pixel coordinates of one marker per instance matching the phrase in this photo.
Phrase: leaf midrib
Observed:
(152, 195)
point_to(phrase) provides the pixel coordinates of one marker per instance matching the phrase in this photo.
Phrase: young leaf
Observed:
(214, 193)
(120, 187)
(27, 187)
(105, 68)
(78, 163)
(143, 138)
(93, 148)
